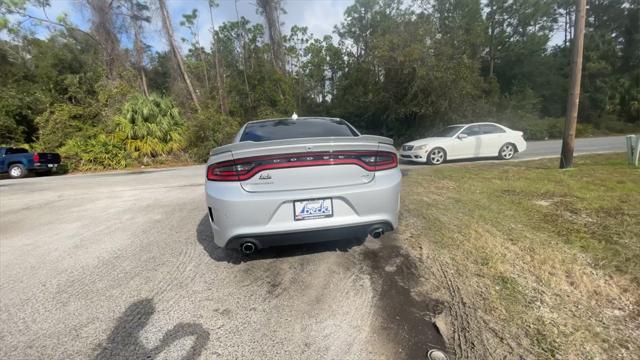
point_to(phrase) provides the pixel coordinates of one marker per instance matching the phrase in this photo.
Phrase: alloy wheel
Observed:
(507, 151)
(436, 156)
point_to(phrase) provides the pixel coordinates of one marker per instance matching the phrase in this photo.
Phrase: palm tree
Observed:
(150, 127)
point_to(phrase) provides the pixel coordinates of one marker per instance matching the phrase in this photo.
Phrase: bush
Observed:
(554, 128)
(94, 153)
(547, 128)
(64, 121)
(10, 132)
(149, 127)
(584, 130)
(615, 126)
(533, 127)
(207, 130)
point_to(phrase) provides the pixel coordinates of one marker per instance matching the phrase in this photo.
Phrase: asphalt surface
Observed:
(123, 265)
(583, 146)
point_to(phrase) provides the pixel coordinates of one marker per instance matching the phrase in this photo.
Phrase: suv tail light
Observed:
(36, 158)
(246, 168)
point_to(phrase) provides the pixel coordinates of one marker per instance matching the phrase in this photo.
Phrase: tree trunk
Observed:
(492, 54)
(244, 61)
(221, 90)
(139, 53)
(219, 79)
(145, 88)
(569, 138)
(203, 60)
(566, 21)
(168, 29)
(270, 10)
(492, 35)
(103, 26)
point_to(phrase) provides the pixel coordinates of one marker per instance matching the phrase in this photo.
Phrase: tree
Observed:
(393, 67)
(137, 14)
(297, 40)
(270, 10)
(103, 26)
(219, 67)
(241, 36)
(175, 50)
(496, 19)
(190, 22)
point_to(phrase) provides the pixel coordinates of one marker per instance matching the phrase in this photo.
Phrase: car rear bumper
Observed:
(521, 145)
(309, 236)
(44, 167)
(267, 217)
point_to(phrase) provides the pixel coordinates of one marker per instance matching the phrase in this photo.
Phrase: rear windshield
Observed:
(295, 129)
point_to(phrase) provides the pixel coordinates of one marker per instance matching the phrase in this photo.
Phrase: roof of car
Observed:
(298, 119)
(477, 123)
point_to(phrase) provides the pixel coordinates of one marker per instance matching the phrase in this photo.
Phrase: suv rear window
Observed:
(281, 129)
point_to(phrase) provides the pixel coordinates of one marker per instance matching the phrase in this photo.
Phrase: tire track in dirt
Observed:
(459, 325)
(404, 316)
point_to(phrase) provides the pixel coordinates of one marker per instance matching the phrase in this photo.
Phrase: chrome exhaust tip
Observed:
(377, 233)
(248, 248)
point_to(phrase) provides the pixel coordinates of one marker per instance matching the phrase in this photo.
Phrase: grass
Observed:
(549, 257)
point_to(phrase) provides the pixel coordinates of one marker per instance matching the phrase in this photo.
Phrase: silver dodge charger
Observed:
(301, 180)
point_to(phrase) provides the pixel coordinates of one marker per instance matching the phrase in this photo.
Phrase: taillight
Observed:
(246, 168)
(36, 158)
(227, 171)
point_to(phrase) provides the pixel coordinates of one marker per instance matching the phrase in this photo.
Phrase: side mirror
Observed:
(462, 136)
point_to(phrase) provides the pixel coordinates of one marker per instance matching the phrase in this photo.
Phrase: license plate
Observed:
(312, 209)
(51, 165)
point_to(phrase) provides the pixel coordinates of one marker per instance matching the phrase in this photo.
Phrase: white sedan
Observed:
(464, 142)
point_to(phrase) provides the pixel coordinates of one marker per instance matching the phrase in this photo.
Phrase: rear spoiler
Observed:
(246, 145)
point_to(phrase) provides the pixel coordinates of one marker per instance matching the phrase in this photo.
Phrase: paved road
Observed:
(122, 265)
(583, 146)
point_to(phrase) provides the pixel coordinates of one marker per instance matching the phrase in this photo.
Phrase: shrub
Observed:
(207, 130)
(149, 127)
(94, 153)
(584, 130)
(554, 127)
(64, 121)
(611, 125)
(533, 127)
(10, 132)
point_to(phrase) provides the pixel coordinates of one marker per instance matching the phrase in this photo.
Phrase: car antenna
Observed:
(294, 116)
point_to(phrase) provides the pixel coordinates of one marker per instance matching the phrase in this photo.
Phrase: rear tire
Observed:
(436, 156)
(17, 171)
(507, 151)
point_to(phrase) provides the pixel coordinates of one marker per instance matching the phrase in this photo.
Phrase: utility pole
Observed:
(569, 138)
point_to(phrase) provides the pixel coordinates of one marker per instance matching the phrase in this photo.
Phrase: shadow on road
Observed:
(124, 341)
(232, 256)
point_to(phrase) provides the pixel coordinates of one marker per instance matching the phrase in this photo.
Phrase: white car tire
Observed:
(507, 151)
(436, 156)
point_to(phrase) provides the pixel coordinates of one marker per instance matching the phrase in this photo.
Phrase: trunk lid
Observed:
(311, 156)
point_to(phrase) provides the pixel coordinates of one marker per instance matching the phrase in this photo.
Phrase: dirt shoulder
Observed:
(530, 261)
